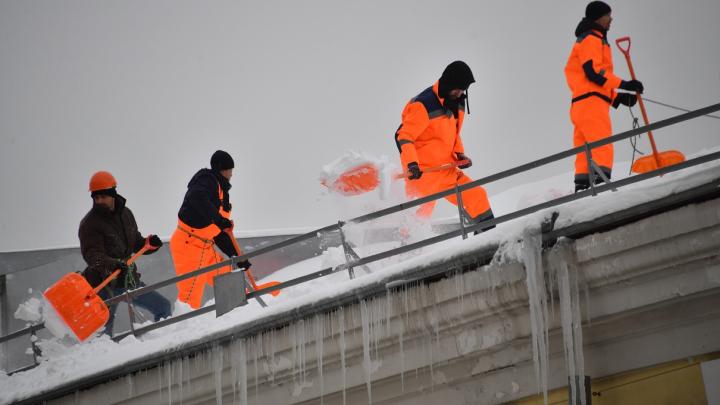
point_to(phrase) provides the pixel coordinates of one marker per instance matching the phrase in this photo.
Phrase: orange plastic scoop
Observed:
(657, 159)
(77, 303)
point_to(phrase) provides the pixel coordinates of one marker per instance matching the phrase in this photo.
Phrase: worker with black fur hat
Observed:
(202, 221)
(429, 136)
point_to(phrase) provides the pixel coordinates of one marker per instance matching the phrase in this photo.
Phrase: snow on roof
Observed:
(64, 363)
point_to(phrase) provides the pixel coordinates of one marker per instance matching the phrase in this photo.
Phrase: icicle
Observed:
(537, 297)
(341, 327)
(131, 385)
(256, 339)
(571, 324)
(319, 335)
(242, 371)
(401, 332)
(217, 356)
(169, 381)
(367, 365)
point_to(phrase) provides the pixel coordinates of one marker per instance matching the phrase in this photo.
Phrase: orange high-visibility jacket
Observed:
(429, 133)
(589, 69)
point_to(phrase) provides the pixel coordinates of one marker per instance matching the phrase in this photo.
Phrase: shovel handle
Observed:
(239, 252)
(115, 273)
(626, 52)
(436, 168)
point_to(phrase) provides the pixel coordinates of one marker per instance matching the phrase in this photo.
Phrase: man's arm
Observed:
(590, 53)
(93, 251)
(199, 198)
(415, 120)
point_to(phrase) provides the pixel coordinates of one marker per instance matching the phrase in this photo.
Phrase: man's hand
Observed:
(462, 156)
(123, 267)
(627, 99)
(154, 242)
(224, 223)
(632, 85)
(245, 264)
(415, 172)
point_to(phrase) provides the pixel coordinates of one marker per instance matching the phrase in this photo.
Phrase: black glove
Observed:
(415, 172)
(462, 156)
(245, 264)
(632, 85)
(154, 242)
(627, 99)
(123, 267)
(224, 223)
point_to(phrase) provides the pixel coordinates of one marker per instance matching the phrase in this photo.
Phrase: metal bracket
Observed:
(350, 253)
(131, 313)
(230, 292)
(461, 211)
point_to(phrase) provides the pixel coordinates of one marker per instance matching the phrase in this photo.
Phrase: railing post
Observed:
(131, 314)
(346, 248)
(36, 352)
(4, 321)
(461, 211)
(591, 171)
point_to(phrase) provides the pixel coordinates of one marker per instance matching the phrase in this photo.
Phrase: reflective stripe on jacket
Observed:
(599, 81)
(429, 133)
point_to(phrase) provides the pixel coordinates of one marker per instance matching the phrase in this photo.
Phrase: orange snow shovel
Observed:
(78, 304)
(365, 178)
(247, 271)
(658, 159)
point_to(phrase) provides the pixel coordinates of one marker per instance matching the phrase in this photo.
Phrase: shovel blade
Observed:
(358, 180)
(77, 306)
(268, 285)
(647, 163)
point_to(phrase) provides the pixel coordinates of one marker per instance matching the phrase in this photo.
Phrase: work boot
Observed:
(488, 215)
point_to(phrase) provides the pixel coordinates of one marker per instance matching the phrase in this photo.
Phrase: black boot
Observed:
(488, 215)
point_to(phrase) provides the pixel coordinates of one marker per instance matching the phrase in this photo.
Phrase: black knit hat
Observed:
(456, 75)
(596, 9)
(221, 160)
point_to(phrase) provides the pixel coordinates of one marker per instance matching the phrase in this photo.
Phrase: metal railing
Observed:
(353, 260)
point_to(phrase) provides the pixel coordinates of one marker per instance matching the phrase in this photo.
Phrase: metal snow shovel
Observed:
(365, 178)
(254, 285)
(77, 303)
(658, 159)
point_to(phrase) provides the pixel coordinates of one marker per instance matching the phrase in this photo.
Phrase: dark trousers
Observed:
(153, 302)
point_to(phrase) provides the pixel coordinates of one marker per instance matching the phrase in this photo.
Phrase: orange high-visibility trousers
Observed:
(475, 200)
(591, 118)
(192, 249)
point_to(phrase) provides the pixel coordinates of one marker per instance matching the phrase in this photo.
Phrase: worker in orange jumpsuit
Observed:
(202, 220)
(589, 74)
(429, 136)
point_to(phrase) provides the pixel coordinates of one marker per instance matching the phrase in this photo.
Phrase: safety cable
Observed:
(676, 107)
(634, 140)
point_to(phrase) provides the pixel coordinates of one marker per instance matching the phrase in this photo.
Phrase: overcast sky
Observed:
(149, 89)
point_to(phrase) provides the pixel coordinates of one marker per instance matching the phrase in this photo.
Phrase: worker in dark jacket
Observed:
(203, 221)
(590, 76)
(108, 238)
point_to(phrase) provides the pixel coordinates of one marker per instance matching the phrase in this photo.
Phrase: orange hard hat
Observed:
(102, 180)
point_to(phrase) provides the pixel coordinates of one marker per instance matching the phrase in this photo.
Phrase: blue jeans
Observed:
(153, 302)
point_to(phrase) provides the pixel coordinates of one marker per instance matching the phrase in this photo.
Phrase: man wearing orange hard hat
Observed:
(108, 238)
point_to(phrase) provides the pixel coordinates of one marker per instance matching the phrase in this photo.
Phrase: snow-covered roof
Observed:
(64, 363)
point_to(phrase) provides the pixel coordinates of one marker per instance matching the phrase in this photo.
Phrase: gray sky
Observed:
(149, 89)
